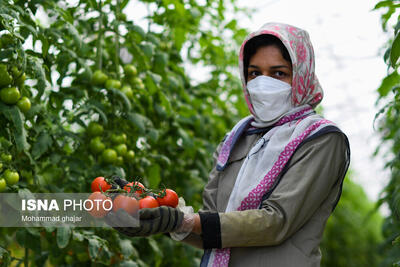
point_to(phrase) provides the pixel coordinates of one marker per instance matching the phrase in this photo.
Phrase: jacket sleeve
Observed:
(315, 169)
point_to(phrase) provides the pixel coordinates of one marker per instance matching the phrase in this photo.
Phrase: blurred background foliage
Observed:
(108, 96)
(388, 124)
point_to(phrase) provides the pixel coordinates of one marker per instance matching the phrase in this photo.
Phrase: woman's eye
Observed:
(254, 73)
(280, 74)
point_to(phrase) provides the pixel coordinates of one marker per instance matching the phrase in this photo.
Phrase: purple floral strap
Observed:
(230, 142)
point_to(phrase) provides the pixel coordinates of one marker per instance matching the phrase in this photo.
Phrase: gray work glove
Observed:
(151, 221)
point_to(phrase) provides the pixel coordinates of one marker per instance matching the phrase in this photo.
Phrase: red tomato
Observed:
(98, 183)
(99, 208)
(129, 204)
(148, 202)
(170, 198)
(138, 185)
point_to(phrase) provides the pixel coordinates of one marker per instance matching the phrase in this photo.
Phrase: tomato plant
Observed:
(74, 129)
(168, 197)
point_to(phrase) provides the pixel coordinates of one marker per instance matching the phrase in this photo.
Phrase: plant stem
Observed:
(100, 37)
(116, 60)
(26, 259)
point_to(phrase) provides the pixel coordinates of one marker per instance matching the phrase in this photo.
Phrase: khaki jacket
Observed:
(287, 230)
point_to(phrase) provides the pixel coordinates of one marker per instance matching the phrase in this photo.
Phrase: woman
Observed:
(278, 174)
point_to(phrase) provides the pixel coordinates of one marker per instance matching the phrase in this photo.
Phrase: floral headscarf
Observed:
(305, 86)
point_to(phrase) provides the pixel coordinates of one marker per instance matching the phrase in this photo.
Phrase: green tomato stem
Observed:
(117, 11)
(100, 37)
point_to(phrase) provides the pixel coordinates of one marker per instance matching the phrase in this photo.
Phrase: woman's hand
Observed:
(152, 221)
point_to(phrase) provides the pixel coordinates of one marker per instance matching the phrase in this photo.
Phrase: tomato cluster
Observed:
(12, 80)
(132, 197)
(13, 92)
(112, 148)
(8, 176)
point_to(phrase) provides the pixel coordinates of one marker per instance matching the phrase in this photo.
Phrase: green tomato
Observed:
(130, 155)
(130, 70)
(118, 138)
(69, 259)
(3, 184)
(121, 149)
(127, 90)
(1, 166)
(109, 156)
(10, 95)
(96, 145)
(20, 81)
(94, 129)
(111, 83)
(24, 104)
(28, 176)
(99, 78)
(15, 72)
(6, 40)
(135, 81)
(119, 161)
(122, 16)
(11, 177)
(7, 158)
(5, 77)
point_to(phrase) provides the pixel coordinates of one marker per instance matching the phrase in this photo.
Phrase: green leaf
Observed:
(156, 249)
(396, 241)
(127, 248)
(151, 82)
(128, 263)
(148, 49)
(180, 37)
(395, 51)
(385, 3)
(25, 193)
(77, 236)
(94, 248)
(5, 257)
(138, 29)
(43, 143)
(154, 175)
(388, 83)
(63, 236)
(35, 67)
(124, 98)
(13, 114)
(140, 121)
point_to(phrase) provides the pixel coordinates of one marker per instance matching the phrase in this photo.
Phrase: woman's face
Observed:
(268, 61)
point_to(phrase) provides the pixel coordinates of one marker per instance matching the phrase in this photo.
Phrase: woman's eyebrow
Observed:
(279, 66)
(272, 67)
(253, 66)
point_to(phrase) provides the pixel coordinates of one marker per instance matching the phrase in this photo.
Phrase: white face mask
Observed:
(270, 98)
